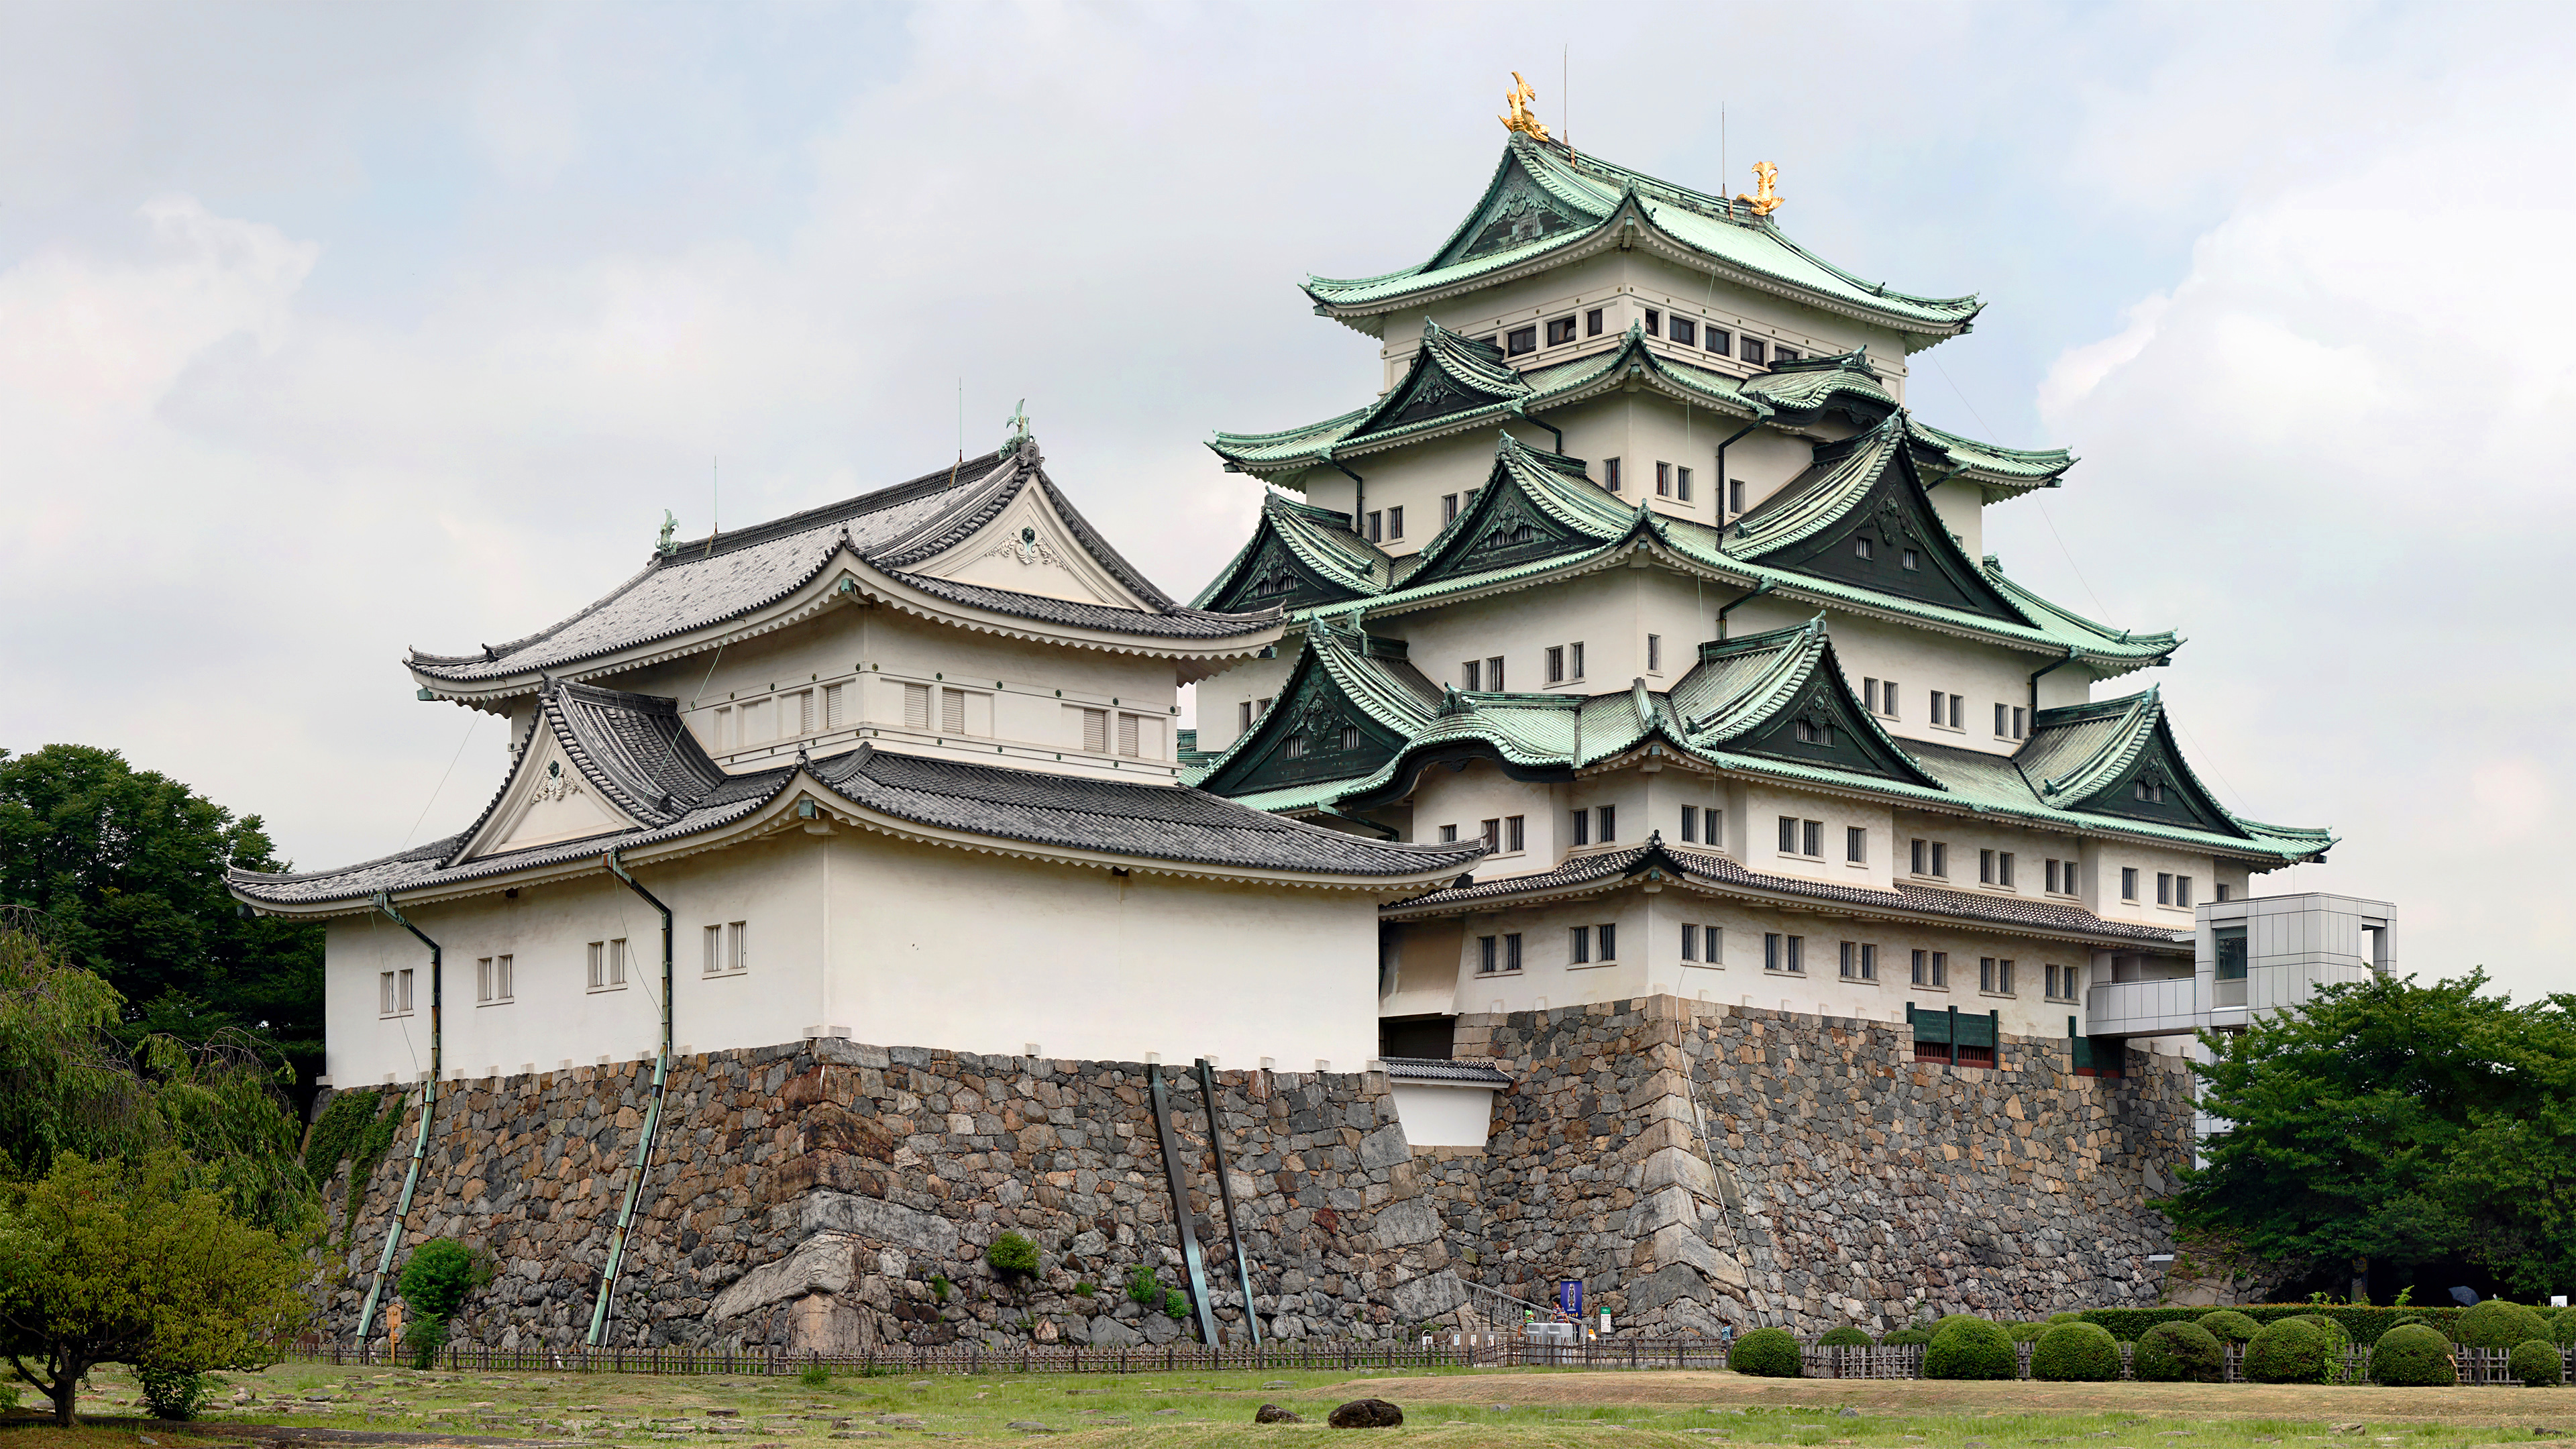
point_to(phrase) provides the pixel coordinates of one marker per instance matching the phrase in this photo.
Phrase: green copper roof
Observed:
(1302, 556)
(1545, 199)
(1775, 704)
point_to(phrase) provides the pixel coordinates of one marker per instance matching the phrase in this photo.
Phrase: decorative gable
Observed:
(1027, 548)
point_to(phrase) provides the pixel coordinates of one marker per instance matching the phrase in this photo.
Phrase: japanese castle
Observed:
(1639, 574)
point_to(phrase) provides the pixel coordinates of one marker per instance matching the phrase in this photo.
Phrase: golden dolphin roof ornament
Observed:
(1764, 200)
(1520, 117)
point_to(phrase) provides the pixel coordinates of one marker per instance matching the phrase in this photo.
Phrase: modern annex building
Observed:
(1639, 572)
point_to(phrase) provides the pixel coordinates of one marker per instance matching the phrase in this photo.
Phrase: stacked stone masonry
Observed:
(1694, 1164)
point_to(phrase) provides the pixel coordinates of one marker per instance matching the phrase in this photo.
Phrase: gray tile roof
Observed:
(708, 581)
(1430, 1069)
(633, 749)
(1712, 869)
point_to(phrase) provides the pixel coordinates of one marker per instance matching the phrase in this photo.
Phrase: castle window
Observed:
(1592, 323)
(1785, 954)
(1860, 546)
(1560, 331)
(2129, 883)
(1395, 523)
(1856, 844)
(1681, 484)
(1753, 351)
(1720, 341)
(1521, 340)
(1610, 474)
(1654, 323)
(1448, 509)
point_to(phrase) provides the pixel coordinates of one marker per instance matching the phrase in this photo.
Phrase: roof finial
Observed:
(1764, 200)
(1520, 117)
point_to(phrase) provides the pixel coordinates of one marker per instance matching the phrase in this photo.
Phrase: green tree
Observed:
(127, 868)
(125, 1263)
(2395, 1121)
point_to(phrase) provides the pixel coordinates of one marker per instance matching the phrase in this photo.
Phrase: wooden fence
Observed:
(1446, 1350)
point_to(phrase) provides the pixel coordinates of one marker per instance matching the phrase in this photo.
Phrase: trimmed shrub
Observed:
(2498, 1324)
(2413, 1355)
(1966, 1347)
(1906, 1338)
(2537, 1364)
(2076, 1353)
(2026, 1332)
(2229, 1326)
(1845, 1337)
(1769, 1353)
(2292, 1351)
(2173, 1353)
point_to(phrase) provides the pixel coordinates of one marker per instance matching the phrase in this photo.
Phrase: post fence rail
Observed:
(1448, 1349)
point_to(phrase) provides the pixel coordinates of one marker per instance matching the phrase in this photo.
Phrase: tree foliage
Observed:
(2395, 1121)
(126, 867)
(127, 1263)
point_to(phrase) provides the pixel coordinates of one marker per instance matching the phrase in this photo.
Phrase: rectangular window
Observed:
(1095, 731)
(1579, 946)
(1690, 942)
(1487, 957)
(1555, 658)
(1856, 844)
(1491, 833)
(1582, 827)
(1610, 474)
(1609, 824)
(1753, 351)
(1685, 332)
(1560, 331)
(1682, 484)
(1494, 674)
(1574, 658)
(1376, 531)
(1654, 654)
(1592, 323)
(2004, 869)
(1512, 951)
(1654, 323)
(1663, 479)
(1448, 509)
(713, 964)
(1719, 341)
(2128, 883)
(1609, 941)
(2164, 889)
(1515, 832)
(1520, 340)
(1690, 825)
(2182, 890)
(1395, 523)
(952, 711)
(1471, 675)
(916, 706)
(1735, 495)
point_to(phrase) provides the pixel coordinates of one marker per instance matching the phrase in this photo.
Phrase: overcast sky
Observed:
(330, 329)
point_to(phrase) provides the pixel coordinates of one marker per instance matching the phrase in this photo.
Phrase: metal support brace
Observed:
(420, 1143)
(1181, 1204)
(652, 1120)
(1225, 1193)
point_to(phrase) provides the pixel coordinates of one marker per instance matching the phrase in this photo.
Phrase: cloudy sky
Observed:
(330, 329)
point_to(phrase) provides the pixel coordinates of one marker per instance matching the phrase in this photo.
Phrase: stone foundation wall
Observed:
(813, 1195)
(1695, 1164)
(1698, 1163)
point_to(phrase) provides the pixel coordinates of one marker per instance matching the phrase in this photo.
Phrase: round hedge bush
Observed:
(1769, 1353)
(1966, 1347)
(2229, 1326)
(2498, 1324)
(2025, 1332)
(2537, 1364)
(1844, 1337)
(2414, 1355)
(1906, 1337)
(2173, 1353)
(2290, 1351)
(2076, 1353)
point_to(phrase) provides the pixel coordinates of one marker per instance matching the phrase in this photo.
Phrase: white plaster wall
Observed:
(1444, 1116)
(900, 944)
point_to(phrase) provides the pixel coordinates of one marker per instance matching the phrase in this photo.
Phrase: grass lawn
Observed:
(1461, 1409)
